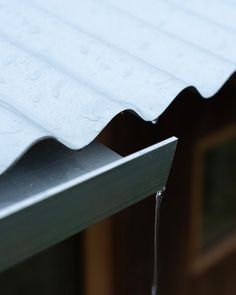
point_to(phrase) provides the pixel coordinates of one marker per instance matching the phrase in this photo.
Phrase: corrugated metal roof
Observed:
(68, 67)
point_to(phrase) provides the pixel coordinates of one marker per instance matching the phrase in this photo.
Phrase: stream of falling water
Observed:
(159, 196)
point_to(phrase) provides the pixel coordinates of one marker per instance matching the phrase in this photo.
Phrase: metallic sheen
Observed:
(53, 192)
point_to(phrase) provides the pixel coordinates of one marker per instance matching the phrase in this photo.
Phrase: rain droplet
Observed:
(34, 30)
(154, 121)
(25, 22)
(140, 25)
(91, 41)
(2, 80)
(35, 76)
(36, 99)
(159, 196)
(95, 118)
(22, 60)
(84, 49)
(127, 73)
(105, 67)
(2, 6)
(56, 91)
(144, 46)
(93, 10)
(162, 23)
(8, 60)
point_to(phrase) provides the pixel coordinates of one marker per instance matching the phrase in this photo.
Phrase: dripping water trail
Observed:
(159, 196)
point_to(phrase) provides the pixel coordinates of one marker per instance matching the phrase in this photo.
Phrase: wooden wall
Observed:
(131, 232)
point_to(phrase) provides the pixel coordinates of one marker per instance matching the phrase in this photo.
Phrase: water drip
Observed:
(159, 196)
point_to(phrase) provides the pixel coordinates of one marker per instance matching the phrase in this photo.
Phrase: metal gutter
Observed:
(44, 201)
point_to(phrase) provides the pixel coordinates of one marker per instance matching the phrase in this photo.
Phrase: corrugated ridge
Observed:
(69, 68)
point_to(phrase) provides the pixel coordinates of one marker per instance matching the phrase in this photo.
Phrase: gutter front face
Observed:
(45, 202)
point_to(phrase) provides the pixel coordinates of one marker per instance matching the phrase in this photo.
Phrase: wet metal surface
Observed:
(39, 209)
(68, 67)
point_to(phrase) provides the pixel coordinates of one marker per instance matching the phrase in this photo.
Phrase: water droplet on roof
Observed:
(36, 99)
(35, 76)
(34, 30)
(93, 10)
(2, 80)
(22, 59)
(84, 49)
(128, 73)
(144, 46)
(154, 121)
(8, 60)
(56, 91)
(105, 66)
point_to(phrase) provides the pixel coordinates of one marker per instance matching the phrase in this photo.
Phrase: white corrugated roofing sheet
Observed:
(67, 67)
